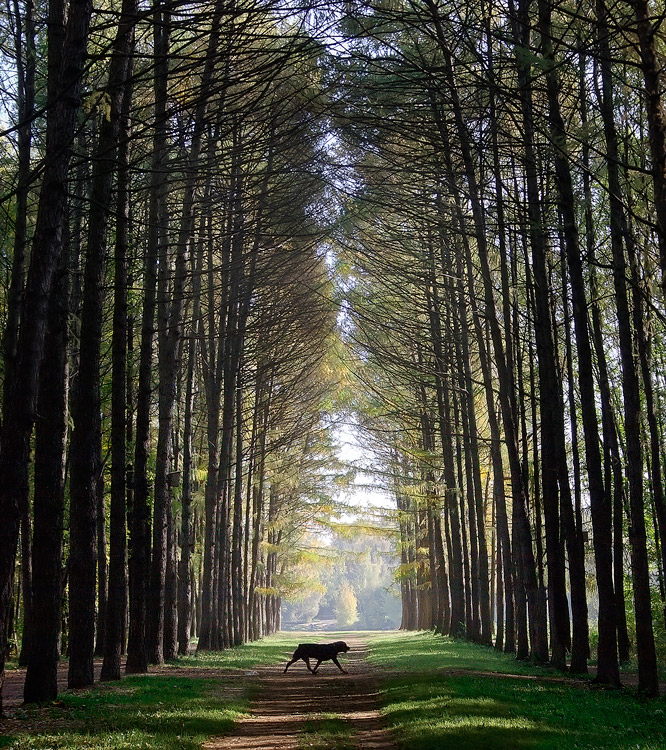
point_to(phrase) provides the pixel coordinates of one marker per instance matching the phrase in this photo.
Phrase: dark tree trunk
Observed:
(522, 535)
(116, 611)
(456, 625)
(185, 583)
(21, 388)
(49, 478)
(586, 383)
(86, 487)
(139, 562)
(648, 680)
(237, 593)
(102, 563)
(655, 81)
(26, 584)
(170, 640)
(475, 491)
(25, 70)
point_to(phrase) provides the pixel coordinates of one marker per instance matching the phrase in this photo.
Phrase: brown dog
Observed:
(319, 651)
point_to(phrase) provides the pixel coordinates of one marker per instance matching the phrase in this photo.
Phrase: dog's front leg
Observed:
(337, 664)
(289, 663)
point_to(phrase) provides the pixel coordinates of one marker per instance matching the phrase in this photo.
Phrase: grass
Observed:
(148, 711)
(272, 649)
(429, 709)
(152, 712)
(436, 694)
(327, 732)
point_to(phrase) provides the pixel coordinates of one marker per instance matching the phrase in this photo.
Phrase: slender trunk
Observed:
(185, 583)
(647, 664)
(457, 612)
(102, 563)
(522, 537)
(116, 603)
(237, 593)
(475, 492)
(655, 82)
(139, 567)
(608, 672)
(86, 488)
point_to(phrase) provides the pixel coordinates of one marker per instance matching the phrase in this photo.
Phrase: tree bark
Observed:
(49, 480)
(21, 389)
(121, 65)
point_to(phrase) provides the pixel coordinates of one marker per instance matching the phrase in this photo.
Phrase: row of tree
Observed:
(167, 315)
(503, 248)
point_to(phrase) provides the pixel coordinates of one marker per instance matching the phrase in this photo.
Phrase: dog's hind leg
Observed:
(314, 671)
(307, 664)
(337, 664)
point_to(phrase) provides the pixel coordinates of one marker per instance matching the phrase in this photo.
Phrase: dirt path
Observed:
(284, 702)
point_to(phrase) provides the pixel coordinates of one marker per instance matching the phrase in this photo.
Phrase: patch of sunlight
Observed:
(443, 701)
(457, 722)
(106, 741)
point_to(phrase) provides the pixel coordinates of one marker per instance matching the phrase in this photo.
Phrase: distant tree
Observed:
(346, 609)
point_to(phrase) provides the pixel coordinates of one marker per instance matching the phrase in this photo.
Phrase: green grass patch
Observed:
(327, 732)
(152, 712)
(418, 652)
(429, 709)
(146, 711)
(274, 648)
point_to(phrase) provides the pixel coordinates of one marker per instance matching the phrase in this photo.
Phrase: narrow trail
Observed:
(285, 702)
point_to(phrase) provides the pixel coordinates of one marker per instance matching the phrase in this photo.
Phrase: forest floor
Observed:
(414, 691)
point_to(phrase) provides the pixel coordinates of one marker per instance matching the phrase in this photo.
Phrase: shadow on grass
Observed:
(327, 732)
(149, 711)
(431, 710)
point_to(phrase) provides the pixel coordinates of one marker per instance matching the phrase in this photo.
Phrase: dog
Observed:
(321, 652)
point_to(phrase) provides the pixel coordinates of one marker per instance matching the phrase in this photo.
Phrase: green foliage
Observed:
(346, 610)
(658, 619)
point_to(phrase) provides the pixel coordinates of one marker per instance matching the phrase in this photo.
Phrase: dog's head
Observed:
(341, 646)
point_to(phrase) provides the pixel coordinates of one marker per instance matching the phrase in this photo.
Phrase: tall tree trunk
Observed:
(655, 82)
(647, 664)
(25, 73)
(475, 492)
(102, 562)
(185, 583)
(86, 488)
(585, 376)
(522, 537)
(139, 567)
(21, 388)
(49, 479)
(116, 610)
(237, 593)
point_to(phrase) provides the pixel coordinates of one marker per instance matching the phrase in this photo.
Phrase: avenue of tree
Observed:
(226, 224)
